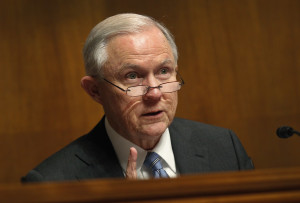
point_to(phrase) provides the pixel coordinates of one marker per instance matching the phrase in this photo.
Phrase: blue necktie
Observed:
(152, 162)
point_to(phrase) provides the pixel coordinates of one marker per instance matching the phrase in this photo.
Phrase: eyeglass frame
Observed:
(181, 82)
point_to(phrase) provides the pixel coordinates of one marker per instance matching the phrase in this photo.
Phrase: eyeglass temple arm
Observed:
(182, 81)
(114, 85)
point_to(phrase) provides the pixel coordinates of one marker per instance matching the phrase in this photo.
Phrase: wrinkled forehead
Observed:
(152, 33)
(148, 46)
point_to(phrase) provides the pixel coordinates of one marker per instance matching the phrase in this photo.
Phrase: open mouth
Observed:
(152, 113)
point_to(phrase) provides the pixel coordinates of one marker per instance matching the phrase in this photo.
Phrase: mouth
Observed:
(153, 113)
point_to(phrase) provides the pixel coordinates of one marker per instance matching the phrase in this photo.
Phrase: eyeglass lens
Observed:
(165, 87)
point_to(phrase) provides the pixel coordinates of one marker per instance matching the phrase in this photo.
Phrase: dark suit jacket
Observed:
(197, 147)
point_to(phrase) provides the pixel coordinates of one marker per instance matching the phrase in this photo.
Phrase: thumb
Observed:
(131, 164)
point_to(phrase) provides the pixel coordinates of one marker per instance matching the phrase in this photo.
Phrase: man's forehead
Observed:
(143, 29)
(165, 62)
(150, 34)
(139, 50)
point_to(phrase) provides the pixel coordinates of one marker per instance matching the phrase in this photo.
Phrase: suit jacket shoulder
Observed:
(200, 147)
(90, 156)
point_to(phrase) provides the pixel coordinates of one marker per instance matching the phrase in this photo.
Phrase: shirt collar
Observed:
(122, 146)
(164, 149)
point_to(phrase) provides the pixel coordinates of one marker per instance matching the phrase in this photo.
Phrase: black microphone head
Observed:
(284, 132)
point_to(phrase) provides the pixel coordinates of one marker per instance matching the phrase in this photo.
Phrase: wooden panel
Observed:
(276, 185)
(240, 61)
(245, 55)
(42, 104)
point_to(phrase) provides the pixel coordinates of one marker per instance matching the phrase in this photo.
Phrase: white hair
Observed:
(94, 51)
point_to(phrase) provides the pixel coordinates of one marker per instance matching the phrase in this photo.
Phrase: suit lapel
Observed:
(191, 155)
(98, 156)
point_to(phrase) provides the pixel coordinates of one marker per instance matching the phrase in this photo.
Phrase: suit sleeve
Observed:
(244, 160)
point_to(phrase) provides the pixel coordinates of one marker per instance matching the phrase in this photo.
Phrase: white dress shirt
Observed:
(163, 148)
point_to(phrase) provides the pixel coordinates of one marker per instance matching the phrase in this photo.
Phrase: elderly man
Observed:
(131, 66)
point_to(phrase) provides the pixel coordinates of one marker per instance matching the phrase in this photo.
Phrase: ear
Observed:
(91, 86)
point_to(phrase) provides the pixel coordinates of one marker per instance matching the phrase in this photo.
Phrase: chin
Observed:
(155, 129)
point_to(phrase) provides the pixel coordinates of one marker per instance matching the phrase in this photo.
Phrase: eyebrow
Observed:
(167, 61)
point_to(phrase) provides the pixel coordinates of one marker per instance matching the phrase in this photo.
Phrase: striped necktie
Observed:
(152, 162)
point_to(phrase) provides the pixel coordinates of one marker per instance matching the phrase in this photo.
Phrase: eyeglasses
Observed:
(140, 90)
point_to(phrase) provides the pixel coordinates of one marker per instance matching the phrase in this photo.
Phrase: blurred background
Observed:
(240, 60)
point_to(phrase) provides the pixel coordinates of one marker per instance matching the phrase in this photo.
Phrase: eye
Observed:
(132, 75)
(164, 71)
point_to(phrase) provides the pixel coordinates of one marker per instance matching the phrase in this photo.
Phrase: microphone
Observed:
(286, 132)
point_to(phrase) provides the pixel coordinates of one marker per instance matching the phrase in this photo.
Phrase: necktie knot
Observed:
(152, 162)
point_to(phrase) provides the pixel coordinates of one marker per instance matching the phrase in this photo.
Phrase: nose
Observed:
(153, 93)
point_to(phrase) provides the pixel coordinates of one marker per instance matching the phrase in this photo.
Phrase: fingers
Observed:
(131, 164)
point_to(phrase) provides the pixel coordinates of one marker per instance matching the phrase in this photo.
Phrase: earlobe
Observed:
(91, 86)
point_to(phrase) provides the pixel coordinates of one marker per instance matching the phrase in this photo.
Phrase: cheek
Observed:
(122, 107)
(112, 103)
(129, 116)
(172, 100)
(131, 111)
